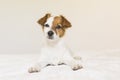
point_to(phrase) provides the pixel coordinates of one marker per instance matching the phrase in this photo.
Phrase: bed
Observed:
(97, 66)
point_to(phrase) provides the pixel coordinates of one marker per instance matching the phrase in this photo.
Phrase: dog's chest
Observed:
(54, 53)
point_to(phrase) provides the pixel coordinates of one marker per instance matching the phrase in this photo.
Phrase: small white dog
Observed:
(54, 51)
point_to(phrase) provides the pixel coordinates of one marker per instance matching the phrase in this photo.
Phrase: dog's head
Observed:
(54, 26)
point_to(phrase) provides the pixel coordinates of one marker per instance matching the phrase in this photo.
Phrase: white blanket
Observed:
(97, 66)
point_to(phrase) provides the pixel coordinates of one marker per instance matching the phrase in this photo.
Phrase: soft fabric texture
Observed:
(96, 66)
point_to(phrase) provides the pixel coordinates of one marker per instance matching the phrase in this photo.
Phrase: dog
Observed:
(54, 52)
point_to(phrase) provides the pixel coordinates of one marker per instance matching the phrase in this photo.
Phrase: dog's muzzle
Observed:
(50, 34)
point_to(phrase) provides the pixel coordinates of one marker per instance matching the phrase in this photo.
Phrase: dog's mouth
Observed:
(50, 37)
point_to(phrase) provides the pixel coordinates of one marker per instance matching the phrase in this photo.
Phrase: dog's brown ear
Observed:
(42, 20)
(65, 22)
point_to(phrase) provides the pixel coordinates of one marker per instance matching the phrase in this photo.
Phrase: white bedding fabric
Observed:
(97, 66)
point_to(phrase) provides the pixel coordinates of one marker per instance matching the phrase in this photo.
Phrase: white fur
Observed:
(47, 29)
(54, 52)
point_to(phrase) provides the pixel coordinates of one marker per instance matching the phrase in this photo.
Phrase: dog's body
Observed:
(54, 51)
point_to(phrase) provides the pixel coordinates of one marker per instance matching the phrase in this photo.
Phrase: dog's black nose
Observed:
(50, 33)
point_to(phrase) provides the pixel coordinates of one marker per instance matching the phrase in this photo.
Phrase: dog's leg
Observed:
(74, 55)
(77, 57)
(75, 65)
(37, 67)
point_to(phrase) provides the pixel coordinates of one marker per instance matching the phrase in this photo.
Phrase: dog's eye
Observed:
(58, 27)
(46, 25)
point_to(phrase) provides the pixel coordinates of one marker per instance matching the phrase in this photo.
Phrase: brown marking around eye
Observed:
(61, 32)
(58, 21)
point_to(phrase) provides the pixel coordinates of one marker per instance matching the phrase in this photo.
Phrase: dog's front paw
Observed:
(76, 67)
(34, 69)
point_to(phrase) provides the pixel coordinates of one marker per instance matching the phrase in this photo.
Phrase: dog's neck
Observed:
(54, 43)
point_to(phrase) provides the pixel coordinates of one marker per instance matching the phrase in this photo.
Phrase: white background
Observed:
(95, 24)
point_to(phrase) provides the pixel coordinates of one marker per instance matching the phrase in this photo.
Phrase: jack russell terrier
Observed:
(54, 52)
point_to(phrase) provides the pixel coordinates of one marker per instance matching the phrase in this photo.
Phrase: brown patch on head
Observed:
(42, 20)
(61, 32)
(60, 24)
